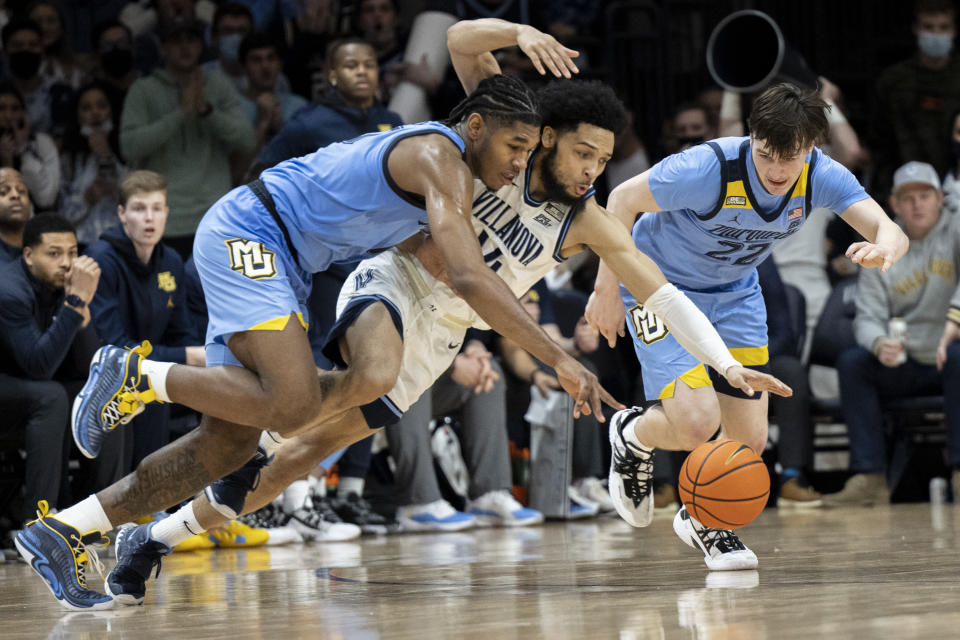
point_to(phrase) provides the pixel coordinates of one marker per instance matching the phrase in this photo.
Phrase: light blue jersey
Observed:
(718, 222)
(339, 202)
(336, 204)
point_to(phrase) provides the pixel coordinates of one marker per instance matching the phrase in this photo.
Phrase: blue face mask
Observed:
(935, 45)
(230, 46)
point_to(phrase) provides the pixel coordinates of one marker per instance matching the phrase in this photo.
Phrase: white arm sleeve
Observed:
(690, 327)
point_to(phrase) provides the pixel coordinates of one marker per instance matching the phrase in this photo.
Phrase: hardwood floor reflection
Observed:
(888, 572)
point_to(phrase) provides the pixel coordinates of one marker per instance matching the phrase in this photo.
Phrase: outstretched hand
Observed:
(546, 53)
(606, 316)
(870, 255)
(588, 396)
(750, 381)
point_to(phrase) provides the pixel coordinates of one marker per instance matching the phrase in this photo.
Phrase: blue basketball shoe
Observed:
(59, 555)
(137, 555)
(115, 392)
(228, 494)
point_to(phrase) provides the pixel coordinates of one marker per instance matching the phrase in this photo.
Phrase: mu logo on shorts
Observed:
(251, 259)
(649, 327)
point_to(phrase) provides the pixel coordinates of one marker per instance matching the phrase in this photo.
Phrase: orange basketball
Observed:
(724, 484)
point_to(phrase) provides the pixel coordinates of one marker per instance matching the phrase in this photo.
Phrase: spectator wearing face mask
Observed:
(915, 98)
(90, 166)
(232, 23)
(47, 99)
(689, 127)
(113, 43)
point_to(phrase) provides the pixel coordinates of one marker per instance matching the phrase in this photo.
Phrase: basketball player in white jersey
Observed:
(525, 229)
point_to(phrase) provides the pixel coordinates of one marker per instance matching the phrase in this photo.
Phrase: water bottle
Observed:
(897, 330)
(938, 490)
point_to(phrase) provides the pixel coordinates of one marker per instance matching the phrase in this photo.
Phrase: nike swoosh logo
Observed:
(453, 345)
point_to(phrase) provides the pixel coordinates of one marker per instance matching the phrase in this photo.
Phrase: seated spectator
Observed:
(232, 22)
(690, 126)
(474, 386)
(90, 166)
(266, 104)
(47, 99)
(183, 125)
(113, 45)
(915, 97)
(32, 153)
(587, 494)
(142, 295)
(348, 108)
(922, 290)
(44, 322)
(14, 213)
(59, 63)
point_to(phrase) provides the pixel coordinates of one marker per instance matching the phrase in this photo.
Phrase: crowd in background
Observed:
(122, 122)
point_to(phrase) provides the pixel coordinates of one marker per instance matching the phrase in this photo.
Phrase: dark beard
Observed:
(554, 190)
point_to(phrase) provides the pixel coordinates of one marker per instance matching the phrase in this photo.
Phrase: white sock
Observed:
(295, 496)
(350, 485)
(271, 441)
(630, 433)
(157, 373)
(178, 527)
(87, 515)
(318, 485)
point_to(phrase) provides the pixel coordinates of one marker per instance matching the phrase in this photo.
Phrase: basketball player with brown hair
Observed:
(714, 212)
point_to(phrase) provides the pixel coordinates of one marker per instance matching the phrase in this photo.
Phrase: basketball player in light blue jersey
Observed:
(255, 250)
(713, 212)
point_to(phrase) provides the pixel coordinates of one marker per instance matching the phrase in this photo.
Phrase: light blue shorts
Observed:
(736, 311)
(250, 280)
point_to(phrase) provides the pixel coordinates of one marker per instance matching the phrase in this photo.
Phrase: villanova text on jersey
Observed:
(501, 219)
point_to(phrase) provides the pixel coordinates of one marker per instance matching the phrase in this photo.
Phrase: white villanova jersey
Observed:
(521, 240)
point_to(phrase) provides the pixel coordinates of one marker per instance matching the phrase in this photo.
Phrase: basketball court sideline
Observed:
(887, 572)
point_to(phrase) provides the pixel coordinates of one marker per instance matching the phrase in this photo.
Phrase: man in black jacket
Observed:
(142, 296)
(44, 333)
(14, 213)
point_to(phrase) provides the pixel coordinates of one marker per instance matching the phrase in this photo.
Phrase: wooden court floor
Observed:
(888, 572)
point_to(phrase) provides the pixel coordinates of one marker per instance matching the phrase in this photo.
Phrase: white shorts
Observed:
(431, 319)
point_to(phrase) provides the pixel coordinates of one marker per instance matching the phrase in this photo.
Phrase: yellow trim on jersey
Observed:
(694, 378)
(736, 196)
(801, 189)
(277, 324)
(751, 356)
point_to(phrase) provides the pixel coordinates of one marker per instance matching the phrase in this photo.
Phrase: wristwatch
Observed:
(75, 301)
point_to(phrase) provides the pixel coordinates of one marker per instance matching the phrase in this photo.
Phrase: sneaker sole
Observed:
(738, 562)
(78, 405)
(29, 557)
(615, 485)
(413, 525)
(497, 521)
(783, 503)
(123, 598)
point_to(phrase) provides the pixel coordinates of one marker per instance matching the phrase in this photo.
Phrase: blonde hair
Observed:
(141, 182)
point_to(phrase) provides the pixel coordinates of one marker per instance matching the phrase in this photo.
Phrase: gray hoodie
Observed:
(921, 288)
